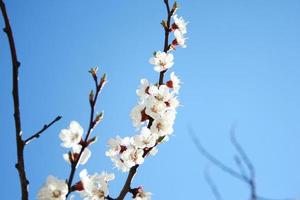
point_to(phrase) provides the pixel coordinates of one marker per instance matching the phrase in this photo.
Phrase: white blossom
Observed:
(95, 187)
(179, 39)
(54, 189)
(174, 83)
(142, 195)
(137, 116)
(161, 93)
(72, 135)
(163, 125)
(132, 156)
(145, 139)
(155, 107)
(162, 61)
(179, 24)
(86, 154)
(142, 91)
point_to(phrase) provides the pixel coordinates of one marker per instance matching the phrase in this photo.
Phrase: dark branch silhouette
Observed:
(20, 165)
(39, 133)
(241, 160)
(212, 185)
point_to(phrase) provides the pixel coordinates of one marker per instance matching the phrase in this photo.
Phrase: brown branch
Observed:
(15, 68)
(39, 133)
(92, 123)
(20, 165)
(127, 185)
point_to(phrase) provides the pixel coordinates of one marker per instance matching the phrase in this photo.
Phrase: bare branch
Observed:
(242, 153)
(15, 68)
(211, 158)
(212, 185)
(38, 134)
(250, 181)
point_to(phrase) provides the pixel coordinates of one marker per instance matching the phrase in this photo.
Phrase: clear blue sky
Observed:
(242, 65)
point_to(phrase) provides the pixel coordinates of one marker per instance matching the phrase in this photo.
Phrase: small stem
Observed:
(91, 126)
(38, 134)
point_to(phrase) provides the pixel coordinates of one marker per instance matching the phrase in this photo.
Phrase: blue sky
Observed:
(241, 66)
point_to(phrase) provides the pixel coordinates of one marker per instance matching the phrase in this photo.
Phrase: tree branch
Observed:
(214, 160)
(38, 134)
(212, 185)
(92, 123)
(15, 92)
(250, 181)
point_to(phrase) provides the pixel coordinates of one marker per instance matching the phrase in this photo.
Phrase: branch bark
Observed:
(20, 165)
(15, 92)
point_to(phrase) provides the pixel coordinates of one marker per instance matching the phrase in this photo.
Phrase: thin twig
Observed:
(251, 180)
(211, 158)
(212, 185)
(91, 126)
(39, 133)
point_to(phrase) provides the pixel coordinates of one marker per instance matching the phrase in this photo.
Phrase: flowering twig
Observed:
(20, 165)
(166, 24)
(38, 134)
(93, 121)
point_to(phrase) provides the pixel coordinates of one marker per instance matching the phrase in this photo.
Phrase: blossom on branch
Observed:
(162, 61)
(140, 194)
(72, 135)
(179, 24)
(94, 187)
(54, 189)
(72, 156)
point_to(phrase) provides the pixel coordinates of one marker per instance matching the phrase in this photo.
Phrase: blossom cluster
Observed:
(153, 117)
(155, 113)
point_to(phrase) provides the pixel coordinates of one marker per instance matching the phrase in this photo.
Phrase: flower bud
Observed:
(102, 82)
(91, 97)
(94, 71)
(175, 7)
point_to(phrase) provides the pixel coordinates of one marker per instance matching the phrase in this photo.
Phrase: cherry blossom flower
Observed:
(161, 93)
(138, 115)
(163, 125)
(95, 187)
(162, 61)
(179, 24)
(132, 156)
(154, 107)
(54, 189)
(72, 135)
(174, 83)
(143, 89)
(145, 139)
(86, 154)
(179, 39)
(141, 194)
